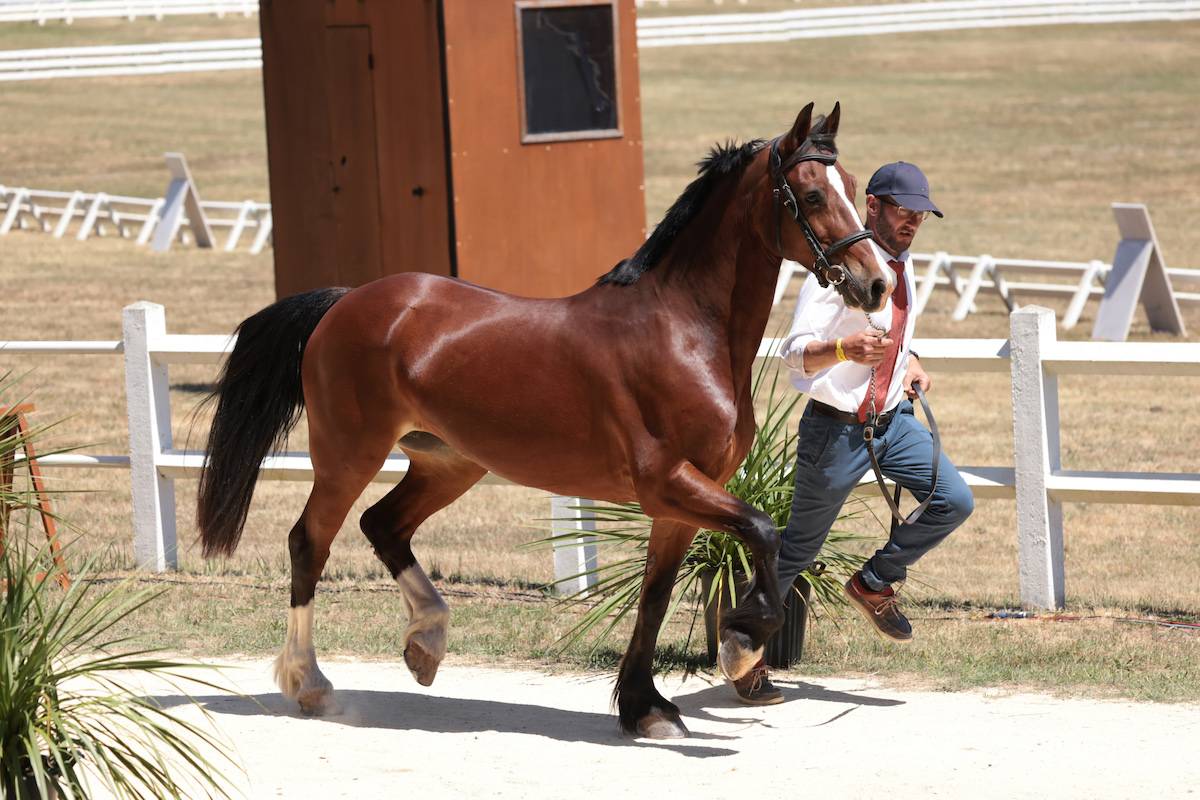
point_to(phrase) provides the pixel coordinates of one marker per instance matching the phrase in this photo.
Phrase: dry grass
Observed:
(1027, 134)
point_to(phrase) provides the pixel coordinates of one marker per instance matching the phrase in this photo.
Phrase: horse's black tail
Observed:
(259, 400)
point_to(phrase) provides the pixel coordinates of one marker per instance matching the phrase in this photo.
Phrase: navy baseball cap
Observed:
(904, 183)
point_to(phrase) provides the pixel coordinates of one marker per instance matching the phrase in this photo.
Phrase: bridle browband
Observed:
(827, 272)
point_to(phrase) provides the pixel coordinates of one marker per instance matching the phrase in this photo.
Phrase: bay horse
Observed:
(636, 389)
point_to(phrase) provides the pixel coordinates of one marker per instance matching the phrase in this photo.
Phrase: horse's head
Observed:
(813, 220)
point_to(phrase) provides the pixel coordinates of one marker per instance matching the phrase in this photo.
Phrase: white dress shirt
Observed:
(822, 315)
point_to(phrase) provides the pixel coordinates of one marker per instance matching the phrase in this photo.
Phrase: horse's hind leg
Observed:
(296, 671)
(335, 488)
(436, 477)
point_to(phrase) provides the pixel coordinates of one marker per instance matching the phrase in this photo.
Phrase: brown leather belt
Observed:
(847, 418)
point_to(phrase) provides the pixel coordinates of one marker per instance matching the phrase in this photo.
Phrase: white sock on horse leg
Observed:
(428, 612)
(296, 670)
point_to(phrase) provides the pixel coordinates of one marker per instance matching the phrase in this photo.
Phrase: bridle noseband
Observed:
(827, 272)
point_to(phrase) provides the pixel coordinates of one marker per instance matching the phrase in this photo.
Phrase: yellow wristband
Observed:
(841, 354)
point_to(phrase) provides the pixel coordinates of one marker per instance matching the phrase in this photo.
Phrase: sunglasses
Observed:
(906, 214)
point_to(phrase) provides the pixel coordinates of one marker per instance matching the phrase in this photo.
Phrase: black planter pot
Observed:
(27, 789)
(783, 649)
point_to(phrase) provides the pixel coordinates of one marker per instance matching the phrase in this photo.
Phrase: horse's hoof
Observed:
(421, 663)
(316, 701)
(315, 695)
(660, 725)
(737, 654)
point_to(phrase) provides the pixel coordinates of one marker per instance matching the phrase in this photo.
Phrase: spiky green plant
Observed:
(73, 716)
(765, 480)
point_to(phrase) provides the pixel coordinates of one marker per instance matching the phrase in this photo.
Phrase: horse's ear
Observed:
(831, 122)
(799, 132)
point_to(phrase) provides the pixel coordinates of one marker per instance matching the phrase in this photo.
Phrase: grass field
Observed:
(1027, 135)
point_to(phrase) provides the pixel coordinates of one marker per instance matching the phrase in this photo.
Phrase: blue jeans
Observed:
(831, 458)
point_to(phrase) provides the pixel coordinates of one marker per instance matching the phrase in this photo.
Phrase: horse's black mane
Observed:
(722, 160)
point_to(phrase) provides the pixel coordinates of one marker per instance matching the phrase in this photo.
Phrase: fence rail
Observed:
(96, 213)
(967, 276)
(671, 31)
(782, 26)
(1032, 356)
(130, 59)
(43, 11)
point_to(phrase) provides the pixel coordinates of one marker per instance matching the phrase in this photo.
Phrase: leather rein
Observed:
(894, 503)
(823, 267)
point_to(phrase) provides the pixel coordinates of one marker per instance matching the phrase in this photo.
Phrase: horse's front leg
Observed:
(688, 495)
(642, 709)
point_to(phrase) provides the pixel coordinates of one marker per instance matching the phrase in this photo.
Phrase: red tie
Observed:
(883, 373)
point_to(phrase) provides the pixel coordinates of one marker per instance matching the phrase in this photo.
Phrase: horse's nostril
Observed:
(878, 287)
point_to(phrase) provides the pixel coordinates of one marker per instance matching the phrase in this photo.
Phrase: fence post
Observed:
(14, 210)
(929, 282)
(966, 300)
(265, 221)
(1037, 455)
(89, 219)
(572, 557)
(1083, 293)
(149, 409)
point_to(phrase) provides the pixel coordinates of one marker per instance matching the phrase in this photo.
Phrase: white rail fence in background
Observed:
(968, 275)
(1034, 359)
(1137, 276)
(668, 31)
(819, 23)
(101, 214)
(1084, 281)
(43, 11)
(130, 59)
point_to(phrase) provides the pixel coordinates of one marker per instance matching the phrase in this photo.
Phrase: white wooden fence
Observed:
(1032, 356)
(130, 59)
(101, 214)
(820, 23)
(43, 11)
(967, 276)
(1137, 276)
(667, 31)
(805, 23)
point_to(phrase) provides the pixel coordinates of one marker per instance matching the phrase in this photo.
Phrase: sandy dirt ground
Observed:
(481, 732)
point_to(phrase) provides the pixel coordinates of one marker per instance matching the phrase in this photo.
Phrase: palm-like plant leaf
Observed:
(72, 715)
(69, 715)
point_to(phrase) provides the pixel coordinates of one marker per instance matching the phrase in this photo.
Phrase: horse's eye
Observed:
(813, 198)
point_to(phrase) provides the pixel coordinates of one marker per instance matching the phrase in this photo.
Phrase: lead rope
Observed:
(874, 415)
(869, 438)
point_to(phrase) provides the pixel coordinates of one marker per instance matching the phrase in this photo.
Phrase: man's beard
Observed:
(887, 237)
(890, 240)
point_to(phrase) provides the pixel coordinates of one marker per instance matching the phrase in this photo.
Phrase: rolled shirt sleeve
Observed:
(817, 310)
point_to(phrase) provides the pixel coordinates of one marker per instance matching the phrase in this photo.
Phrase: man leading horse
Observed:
(636, 389)
(860, 374)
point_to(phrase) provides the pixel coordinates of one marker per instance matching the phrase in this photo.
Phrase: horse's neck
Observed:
(728, 274)
(757, 274)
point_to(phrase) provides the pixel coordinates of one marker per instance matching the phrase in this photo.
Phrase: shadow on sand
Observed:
(406, 711)
(722, 696)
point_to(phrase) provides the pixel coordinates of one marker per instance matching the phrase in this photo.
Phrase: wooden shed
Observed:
(499, 141)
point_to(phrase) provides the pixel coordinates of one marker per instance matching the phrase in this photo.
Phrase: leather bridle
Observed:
(823, 267)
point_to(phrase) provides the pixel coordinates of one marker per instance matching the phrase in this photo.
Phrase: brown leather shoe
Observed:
(882, 609)
(755, 687)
